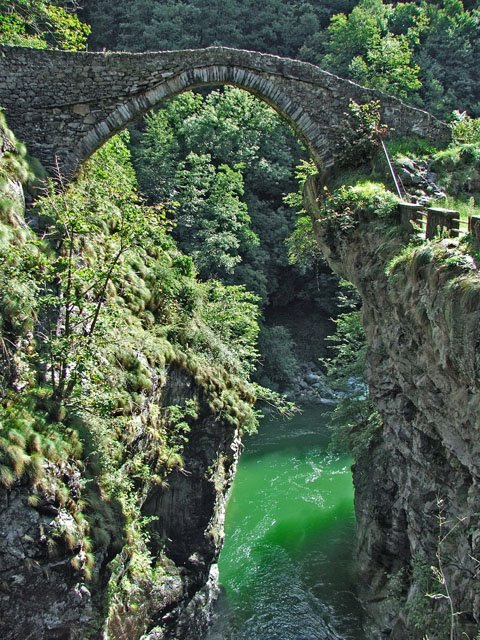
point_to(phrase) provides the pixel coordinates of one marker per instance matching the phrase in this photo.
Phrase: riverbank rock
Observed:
(419, 180)
(311, 385)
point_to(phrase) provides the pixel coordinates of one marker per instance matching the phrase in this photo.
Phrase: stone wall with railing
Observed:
(433, 222)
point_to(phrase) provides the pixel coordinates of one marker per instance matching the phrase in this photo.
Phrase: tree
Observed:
(42, 24)
(212, 224)
(233, 130)
(75, 282)
(362, 47)
(452, 34)
(272, 26)
(387, 66)
(279, 365)
(160, 148)
(303, 249)
(352, 36)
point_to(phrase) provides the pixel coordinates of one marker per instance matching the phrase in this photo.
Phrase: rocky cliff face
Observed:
(189, 514)
(417, 487)
(43, 596)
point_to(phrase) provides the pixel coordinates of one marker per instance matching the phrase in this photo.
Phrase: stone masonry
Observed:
(65, 105)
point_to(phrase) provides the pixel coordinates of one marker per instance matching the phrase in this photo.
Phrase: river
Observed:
(287, 567)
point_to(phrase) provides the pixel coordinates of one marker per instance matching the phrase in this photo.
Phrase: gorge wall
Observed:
(129, 556)
(43, 596)
(417, 483)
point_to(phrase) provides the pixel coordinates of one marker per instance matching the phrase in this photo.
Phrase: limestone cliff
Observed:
(417, 485)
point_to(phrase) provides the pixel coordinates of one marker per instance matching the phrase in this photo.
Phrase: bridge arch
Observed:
(65, 105)
(211, 76)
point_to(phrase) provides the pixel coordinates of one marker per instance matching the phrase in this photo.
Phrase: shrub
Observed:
(465, 130)
(359, 134)
(343, 209)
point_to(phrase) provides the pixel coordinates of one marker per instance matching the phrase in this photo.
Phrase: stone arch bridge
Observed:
(65, 105)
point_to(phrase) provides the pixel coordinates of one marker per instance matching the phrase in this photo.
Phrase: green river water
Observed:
(287, 568)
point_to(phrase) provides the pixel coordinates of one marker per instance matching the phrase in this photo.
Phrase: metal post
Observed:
(392, 171)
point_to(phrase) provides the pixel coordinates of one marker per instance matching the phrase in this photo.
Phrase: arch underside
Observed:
(261, 86)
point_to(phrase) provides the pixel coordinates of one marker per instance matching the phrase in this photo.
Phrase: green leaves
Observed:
(212, 222)
(211, 158)
(351, 36)
(406, 50)
(232, 313)
(41, 24)
(387, 66)
(303, 249)
(273, 26)
(358, 136)
(362, 47)
(89, 230)
(465, 130)
(342, 210)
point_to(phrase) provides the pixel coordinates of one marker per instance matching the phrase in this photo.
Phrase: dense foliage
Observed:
(273, 26)
(105, 260)
(42, 23)
(362, 46)
(97, 306)
(224, 161)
